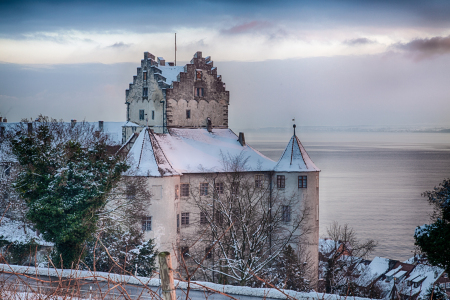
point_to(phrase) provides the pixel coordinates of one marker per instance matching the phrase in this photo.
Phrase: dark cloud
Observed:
(359, 41)
(426, 47)
(120, 45)
(19, 17)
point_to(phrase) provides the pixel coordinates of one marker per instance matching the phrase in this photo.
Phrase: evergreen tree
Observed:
(65, 178)
(434, 239)
(115, 250)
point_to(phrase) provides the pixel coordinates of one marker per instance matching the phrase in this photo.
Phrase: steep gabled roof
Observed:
(147, 158)
(295, 158)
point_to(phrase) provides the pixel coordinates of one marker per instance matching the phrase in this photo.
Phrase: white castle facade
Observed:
(178, 137)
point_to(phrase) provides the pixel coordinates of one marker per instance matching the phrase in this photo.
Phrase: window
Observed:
(185, 252)
(153, 114)
(199, 92)
(235, 188)
(145, 92)
(219, 218)
(198, 75)
(203, 219)
(144, 76)
(178, 222)
(188, 113)
(7, 171)
(141, 114)
(208, 252)
(204, 189)
(302, 182)
(185, 190)
(219, 187)
(286, 213)
(185, 218)
(448, 285)
(281, 183)
(177, 191)
(259, 180)
(147, 224)
(130, 192)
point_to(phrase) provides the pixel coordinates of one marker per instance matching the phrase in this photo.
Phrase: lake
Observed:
(372, 180)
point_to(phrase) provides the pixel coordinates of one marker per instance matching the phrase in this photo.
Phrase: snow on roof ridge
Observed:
(295, 154)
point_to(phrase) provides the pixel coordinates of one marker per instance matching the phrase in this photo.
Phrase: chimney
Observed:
(30, 128)
(209, 124)
(1, 119)
(161, 61)
(171, 64)
(73, 122)
(4, 120)
(100, 125)
(241, 139)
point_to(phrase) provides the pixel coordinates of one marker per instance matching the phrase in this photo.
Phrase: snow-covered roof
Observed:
(377, 267)
(147, 158)
(393, 271)
(423, 273)
(295, 158)
(171, 72)
(193, 151)
(14, 231)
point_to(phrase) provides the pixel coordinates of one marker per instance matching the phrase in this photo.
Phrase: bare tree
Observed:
(340, 255)
(244, 223)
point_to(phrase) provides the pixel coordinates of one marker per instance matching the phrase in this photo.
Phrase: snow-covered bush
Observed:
(117, 251)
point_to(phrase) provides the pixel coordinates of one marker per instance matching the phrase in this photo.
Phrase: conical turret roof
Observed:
(295, 158)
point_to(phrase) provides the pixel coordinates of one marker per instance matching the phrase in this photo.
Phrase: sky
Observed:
(324, 62)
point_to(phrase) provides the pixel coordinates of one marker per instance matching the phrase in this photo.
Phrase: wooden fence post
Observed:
(166, 273)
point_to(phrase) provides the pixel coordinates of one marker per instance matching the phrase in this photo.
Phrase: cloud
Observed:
(358, 42)
(119, 45)
(426, 47)
(253, 26)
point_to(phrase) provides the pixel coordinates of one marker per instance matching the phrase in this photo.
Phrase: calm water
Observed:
(372, 181)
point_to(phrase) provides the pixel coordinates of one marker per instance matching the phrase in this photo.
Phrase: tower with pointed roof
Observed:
(177, 136)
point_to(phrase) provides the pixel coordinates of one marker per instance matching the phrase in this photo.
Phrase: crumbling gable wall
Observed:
(200, 91)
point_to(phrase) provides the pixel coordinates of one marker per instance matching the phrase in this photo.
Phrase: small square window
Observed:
(141, 114)
(185, 252)
(185, 190)
(281, 182)
(203, 218)
(286, 213)
(302, 180)
(219, 187)
(153, 114)
(145, 92)
(185, 218)
(204, 189)
(259, 180)
(208, 252)
(188, 113)
(177, 191)
(235, 188)
(147, 224)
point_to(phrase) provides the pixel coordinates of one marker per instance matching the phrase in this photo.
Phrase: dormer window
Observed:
(199, 92)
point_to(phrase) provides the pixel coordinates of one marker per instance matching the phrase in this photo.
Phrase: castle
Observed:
(178, 138)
